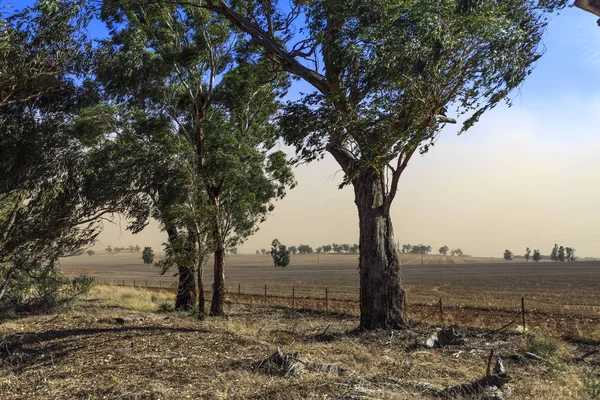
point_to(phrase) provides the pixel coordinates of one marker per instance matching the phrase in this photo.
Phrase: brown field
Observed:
(558, 288)
(85, 353)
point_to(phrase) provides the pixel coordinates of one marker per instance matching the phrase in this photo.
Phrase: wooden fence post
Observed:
(146, 284)
(293, 297)
(265, 294)
(239, 289)
(523, 313)
(123, 282)
(134, 283)
(326, 299)
(441, 312)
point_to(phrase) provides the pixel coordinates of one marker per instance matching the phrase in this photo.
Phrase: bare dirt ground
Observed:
(564, 288)
(88, 353)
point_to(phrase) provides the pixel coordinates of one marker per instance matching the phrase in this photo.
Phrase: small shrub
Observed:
(42, 287)
(165, 307)
(542, 346)
(592, 385)
(148, 255)
(280, 254)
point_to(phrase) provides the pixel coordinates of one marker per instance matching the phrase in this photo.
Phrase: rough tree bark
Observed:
(186, 286)
(381, 294)
(186, 289)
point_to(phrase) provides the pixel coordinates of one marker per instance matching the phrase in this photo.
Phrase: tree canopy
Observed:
(199, 80)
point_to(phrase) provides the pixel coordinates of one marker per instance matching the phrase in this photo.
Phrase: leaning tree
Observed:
(384, 74)
(48, 130)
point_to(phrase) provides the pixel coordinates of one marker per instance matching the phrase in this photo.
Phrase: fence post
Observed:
(326, 299)
(265, 294)
(134, 283)
(239, 289)
(123, 282)
(146, 284)
(523, 313)
(441, 312)
(293, 297)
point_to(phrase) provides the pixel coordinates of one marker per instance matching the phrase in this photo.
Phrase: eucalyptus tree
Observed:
(384, 74)
(48, 128)
(143, 156)
(182, 65)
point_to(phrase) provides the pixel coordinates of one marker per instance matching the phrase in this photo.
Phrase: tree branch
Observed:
(401, 166)
(270, 44)
(343, 157)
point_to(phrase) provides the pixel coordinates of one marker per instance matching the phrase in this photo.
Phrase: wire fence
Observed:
(343, 298)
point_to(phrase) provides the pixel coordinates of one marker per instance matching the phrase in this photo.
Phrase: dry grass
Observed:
(86, 354)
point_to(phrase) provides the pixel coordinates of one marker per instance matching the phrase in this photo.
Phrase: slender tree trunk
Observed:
(6, 282)
(201, 298)
(218, 297)
(381, 294)
(186, 286)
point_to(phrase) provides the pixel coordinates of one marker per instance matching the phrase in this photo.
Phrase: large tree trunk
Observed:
(381, 294)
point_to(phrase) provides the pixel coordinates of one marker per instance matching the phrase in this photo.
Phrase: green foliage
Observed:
(293, 249)
(592, 384)
(456, 252)
(508, 255)
(544, 347)
(327, 248)
(38, 286)
(561, 254)
(280, 254)
(305, 249)
(444, 250)
(536, 255)
(393, 70)
(47, 210)
(188, 75)
(570, 253)
(420, 249)
(527, 253)
(165, 307)
(148, 255)
(554, 253)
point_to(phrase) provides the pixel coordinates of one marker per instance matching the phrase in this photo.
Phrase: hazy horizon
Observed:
(525, 176)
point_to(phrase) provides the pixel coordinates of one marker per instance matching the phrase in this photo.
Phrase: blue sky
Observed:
(524, 176)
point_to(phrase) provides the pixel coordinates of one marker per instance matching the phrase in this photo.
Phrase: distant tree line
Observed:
(328, 248)
(425, 249)
(130, 249)
(558, 253)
